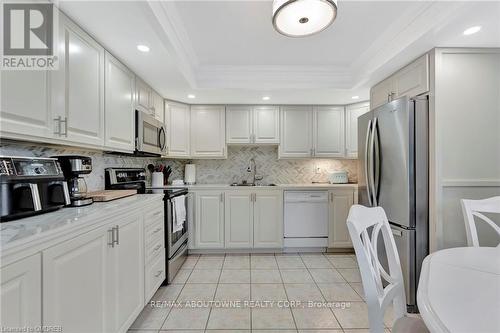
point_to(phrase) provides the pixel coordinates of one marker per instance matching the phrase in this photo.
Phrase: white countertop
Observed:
(15, 234)
(459, 290)
(278, 186)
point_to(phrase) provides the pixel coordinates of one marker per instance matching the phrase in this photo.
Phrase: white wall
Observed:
(465, 121)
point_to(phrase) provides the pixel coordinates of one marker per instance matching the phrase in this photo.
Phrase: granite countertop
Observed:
(278, 186)
(66, 220)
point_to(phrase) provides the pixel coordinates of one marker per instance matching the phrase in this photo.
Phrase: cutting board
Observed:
(108, 195)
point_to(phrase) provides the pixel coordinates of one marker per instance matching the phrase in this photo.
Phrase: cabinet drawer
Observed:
(153, 231)
(154, 216)
(156, 247)
(154, 276)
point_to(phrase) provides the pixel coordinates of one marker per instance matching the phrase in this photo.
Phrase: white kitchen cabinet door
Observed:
(157, 105)
(352, 112)
(238, 219)
(341, 201)
(239, 124)
(75, 284)
(208, 131)
(328, 131)
(177, 119)
(25, 111)
(21, 293)
(126, 273)
(119, 113)
(381, 93)
(296, 132)
(266, 124)
(78, 86)
(143, 98)
(209, 219)
(413, 79)
(268, 219)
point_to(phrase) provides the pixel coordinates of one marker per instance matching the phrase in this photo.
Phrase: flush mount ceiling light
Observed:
(191, 96)
(472, 30)
(143, 48)
(266, 98)
(299, 18)
(355, 97)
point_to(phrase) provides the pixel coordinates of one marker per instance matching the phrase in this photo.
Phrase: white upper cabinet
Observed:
(411, 80)
(143, 100)
(119, 106)
(78, 87)
(328, 131)
(266, 127)
(21, 293)
(208, 129)
(157, 105)
(352, 112)
(25, 104)
(239, 124)
(177, 119)
(296, 132)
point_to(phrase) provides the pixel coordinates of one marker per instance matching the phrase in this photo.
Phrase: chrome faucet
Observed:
(253, 169)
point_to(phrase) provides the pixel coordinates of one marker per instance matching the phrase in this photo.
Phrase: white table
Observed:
(459, 290)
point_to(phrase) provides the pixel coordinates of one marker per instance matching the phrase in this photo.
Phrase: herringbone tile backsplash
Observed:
(232, 169)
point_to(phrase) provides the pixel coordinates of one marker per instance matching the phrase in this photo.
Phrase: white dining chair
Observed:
(365, 225)
(475, 208)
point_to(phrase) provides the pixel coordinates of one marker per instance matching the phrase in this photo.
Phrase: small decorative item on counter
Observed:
(157, 179)
(177, 182)
(338, 177)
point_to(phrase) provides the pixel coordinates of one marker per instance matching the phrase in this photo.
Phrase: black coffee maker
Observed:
(73, 167)
(30, 186)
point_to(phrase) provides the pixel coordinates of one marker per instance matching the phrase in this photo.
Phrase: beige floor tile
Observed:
(273, 331)
(151, 318)
(235, 276)
(197, 292)
(339, 292)
(316, 262)
(350, 274)
(209, 263)
(343, 262)
(358, 287)
(272, 318)
(268, 292)
(229, 319)
(364, 330)
(204, 276)
(142, 331)
(228, 331)
(237, 262)
(181, 331)
(354, 316)
(168, 293)
(290, 262)
(328, 275)
(181, 276)
(296, 276)
(189, 263)
(314, 318)
(263, 262)
(321, 331)
(266, 276)
(187, 318)
(233, 292)
(303, 292)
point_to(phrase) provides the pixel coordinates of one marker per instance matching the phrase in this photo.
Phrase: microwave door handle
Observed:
(367, 158)
(162, 138)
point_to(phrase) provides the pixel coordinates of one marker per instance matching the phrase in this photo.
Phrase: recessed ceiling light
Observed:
(266, 98)
(143, 48)
(472, 30)
(355, 97)
(191, 96)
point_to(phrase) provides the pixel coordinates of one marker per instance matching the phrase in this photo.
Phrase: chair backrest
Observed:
(475, 208)
(365, 225)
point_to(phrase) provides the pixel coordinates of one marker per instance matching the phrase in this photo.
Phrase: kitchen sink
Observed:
(245, 184)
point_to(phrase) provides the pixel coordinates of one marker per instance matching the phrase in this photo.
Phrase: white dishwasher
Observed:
(306, 218)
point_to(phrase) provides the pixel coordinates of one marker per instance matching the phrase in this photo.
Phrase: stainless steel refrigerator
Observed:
(393, 174)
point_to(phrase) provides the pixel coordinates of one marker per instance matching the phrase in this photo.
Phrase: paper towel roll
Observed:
(190, 174)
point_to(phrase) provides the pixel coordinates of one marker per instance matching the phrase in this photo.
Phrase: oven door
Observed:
(150, 136)
(175, 239)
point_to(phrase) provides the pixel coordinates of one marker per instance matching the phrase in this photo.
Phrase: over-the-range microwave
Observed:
(150, 135)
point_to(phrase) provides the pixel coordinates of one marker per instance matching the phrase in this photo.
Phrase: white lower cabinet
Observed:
(341, 201)
(239, 215)
(21, 293)
(268, 219)
(209, 219)
(94, 284)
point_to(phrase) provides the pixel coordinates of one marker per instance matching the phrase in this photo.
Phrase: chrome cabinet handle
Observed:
(158, 273)
(331, 197)
(116, 232)
(111, 237)
(65, 121)
(58, 120)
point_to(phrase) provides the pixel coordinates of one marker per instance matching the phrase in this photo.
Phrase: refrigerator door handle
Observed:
(376, 161)
(367, 162)
(397, 233)
(371, 181)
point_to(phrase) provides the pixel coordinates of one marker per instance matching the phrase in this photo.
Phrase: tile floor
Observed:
(268, 280)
